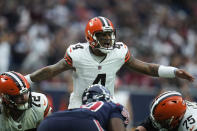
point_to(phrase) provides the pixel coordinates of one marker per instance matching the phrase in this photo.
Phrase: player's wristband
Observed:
(29, 79)
(167, 71)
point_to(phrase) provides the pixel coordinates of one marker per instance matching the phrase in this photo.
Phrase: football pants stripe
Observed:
(98, 125)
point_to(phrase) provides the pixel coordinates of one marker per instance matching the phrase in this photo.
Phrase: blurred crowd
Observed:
(36, 33)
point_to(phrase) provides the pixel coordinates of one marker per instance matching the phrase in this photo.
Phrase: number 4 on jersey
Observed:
(100, 77)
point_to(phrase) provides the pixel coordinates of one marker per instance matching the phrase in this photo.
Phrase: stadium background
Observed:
(36, 33)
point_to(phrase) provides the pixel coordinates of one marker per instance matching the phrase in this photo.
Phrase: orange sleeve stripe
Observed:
(46, 110)
(127, 54)
(68, 59)
(127, 57)
(69, 63)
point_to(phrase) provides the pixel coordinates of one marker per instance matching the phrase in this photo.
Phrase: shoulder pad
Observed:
(120, 45)
(76, 47)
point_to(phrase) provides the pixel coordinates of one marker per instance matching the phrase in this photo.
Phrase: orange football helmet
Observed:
(15, 90)
(167, 110)
(100, 25)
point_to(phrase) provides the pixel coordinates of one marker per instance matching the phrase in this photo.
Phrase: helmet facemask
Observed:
(164, 125)
(105, 41)
(19, 102)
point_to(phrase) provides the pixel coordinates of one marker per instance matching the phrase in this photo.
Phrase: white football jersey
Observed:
(189, 121)
(89, 71)
(31, 117)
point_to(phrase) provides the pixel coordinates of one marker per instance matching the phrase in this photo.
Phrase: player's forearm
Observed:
(160, 70)
(152, 69)
(43, 74)
(143, 67)
(48, 72)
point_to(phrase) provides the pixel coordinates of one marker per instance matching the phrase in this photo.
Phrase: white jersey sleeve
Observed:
(189, 121)
(73, 53)
(88, 71)
(31, 117)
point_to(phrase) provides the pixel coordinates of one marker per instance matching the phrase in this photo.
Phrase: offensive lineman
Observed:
(170, 112)
(20, 109)
(98, 113)
(98, 61)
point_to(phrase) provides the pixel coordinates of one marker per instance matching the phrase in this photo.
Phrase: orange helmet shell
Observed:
(97, 24)
(13, 83)
(171, 107)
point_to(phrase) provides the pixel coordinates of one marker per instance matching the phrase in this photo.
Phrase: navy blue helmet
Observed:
(95, 93)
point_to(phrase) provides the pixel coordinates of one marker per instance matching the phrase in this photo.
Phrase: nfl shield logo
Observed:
(99, 67)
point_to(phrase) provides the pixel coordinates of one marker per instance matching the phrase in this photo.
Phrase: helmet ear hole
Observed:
(174, 101)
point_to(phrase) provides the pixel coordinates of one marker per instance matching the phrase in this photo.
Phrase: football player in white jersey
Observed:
(20, 109)
(98, 60)
(170, 112)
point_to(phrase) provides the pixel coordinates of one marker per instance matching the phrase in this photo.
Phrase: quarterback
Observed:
(98, 60)
(20, 109)
(170, 112)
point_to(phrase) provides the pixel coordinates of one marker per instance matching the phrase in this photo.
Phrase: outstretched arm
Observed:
(49, 71)
(142, 67)
(157, 70)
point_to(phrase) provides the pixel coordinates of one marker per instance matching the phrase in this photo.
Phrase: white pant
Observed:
(75, 101)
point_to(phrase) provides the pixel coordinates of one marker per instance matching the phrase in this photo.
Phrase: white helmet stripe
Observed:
(18, 80)
(104, 21)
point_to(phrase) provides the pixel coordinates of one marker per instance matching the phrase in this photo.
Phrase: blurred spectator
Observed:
(5, 50)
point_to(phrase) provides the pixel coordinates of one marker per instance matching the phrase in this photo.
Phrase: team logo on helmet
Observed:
(95, 93)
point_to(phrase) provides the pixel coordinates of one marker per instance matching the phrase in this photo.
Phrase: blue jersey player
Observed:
(98, 113)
